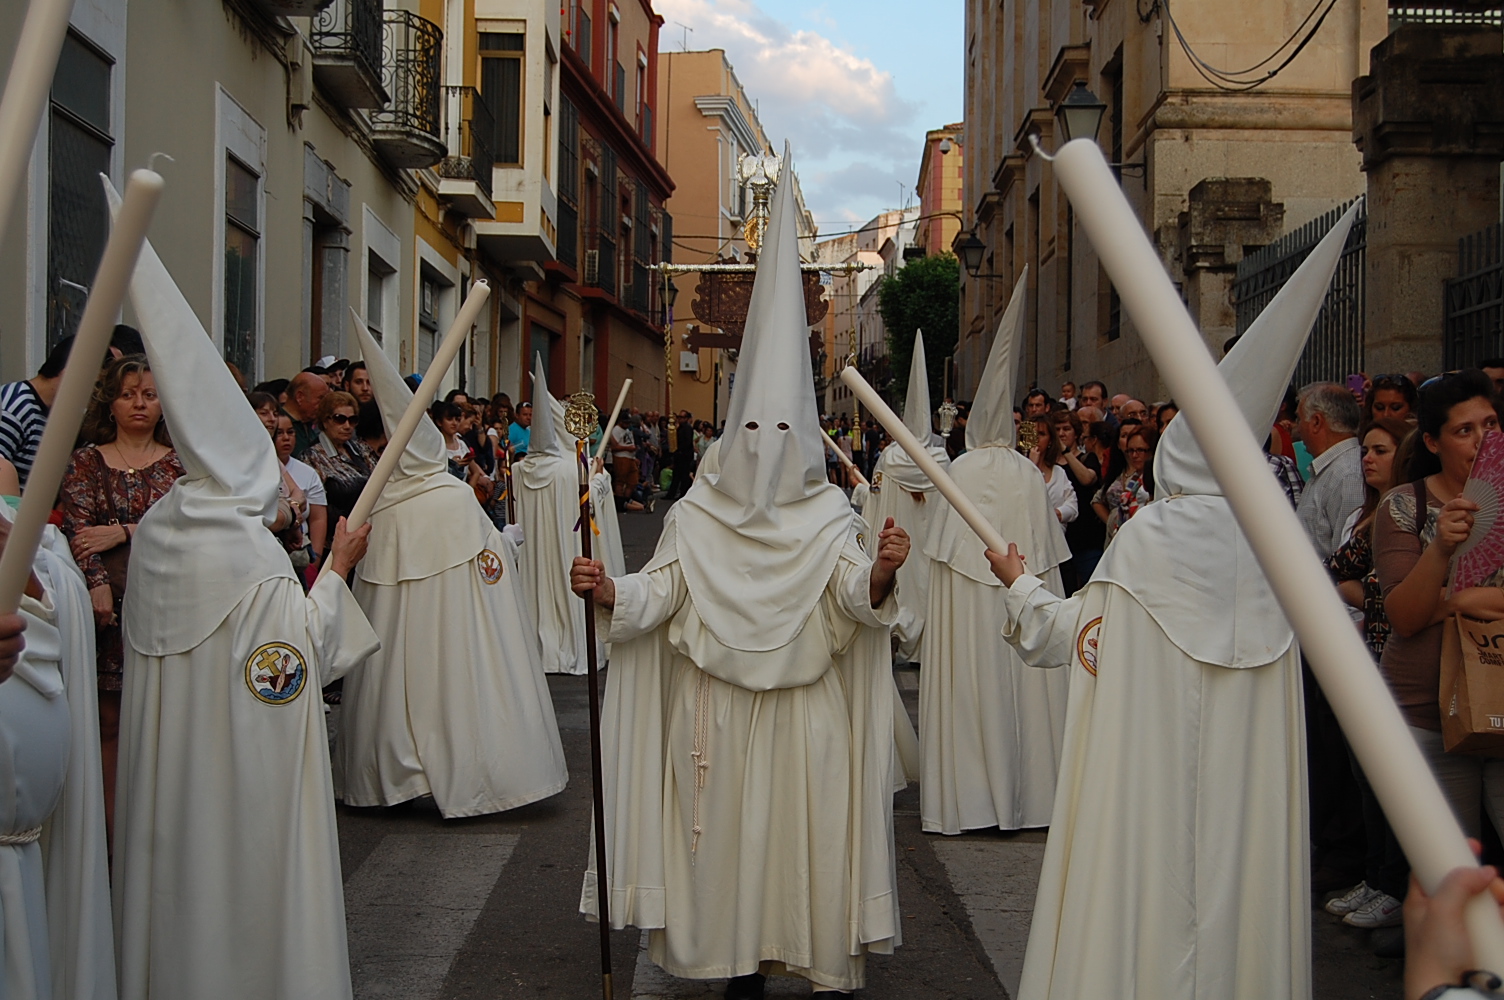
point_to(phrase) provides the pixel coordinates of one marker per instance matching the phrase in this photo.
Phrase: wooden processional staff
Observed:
(580, 419)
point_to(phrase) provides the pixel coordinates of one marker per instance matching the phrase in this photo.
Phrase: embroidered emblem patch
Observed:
(861, 541)
(1086, 645)
(489, 564)
(276, 673)
(877, 483)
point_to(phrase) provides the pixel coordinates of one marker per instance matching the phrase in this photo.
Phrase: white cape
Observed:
(784, 854)
(990, 728)
(1177, 864)
(227, 875)
(55, 932)
(455, 704)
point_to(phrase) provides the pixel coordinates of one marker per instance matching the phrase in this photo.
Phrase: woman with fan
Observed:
(1417, 530)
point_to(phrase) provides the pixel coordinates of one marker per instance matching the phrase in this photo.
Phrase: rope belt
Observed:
(20, 839)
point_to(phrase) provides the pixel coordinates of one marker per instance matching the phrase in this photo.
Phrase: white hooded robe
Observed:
(455, 704)
(990, 728)
(1178, 866)
(748, 723)
(227, 877)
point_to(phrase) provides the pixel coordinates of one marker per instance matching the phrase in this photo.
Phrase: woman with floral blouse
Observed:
(109, 487)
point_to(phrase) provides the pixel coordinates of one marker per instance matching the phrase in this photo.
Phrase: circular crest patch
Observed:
(489, 564)
(861, 540)
(276, 673)
(1086, 645)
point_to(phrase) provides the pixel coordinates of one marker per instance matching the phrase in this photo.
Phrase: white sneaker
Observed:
(1383, 910)
(1350, 900)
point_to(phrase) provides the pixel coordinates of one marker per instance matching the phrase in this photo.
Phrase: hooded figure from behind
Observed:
(226, 873)
(455, 704)
(989, 727)
(1178, 865)
(748, 722)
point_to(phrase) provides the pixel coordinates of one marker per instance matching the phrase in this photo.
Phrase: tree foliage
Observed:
(924, 295)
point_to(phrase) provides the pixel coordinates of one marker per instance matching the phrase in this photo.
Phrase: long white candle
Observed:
(91, 342)
(974, 518)
(621, 397)
(25, 94)
(422, 399)
(1414, 804)
(835, 450)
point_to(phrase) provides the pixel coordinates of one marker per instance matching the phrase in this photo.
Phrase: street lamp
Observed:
(1080, 114)
(970, 250)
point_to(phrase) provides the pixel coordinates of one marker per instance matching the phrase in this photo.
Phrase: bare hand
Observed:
(1437, 947)
(587, 576)
(349, 547)
(1007, 568)
(95, 539)
(892, 552)
(11, 643)
(1454, 525)
(103, 601)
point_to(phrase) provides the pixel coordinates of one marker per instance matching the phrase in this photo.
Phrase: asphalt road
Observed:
(488, 907)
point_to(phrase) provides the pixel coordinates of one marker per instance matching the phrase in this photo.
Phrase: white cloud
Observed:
(842, 112)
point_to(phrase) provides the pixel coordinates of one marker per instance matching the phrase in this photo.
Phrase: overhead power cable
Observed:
(1235, 80)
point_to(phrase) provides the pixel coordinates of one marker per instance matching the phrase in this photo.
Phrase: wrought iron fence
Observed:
(1474, 318)
(469, 126)
(1336, 345)
(411, 47)
(351, 28)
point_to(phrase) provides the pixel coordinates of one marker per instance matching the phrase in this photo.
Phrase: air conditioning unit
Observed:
(689, 361)
(592, 267)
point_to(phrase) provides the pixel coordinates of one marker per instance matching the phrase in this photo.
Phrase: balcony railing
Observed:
(468, 129)
(347, 53)
(407, 131)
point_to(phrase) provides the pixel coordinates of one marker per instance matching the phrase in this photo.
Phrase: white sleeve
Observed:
(643, 602)
(342, 636)
(1065, 499)
(854, 593)
(1039, 626)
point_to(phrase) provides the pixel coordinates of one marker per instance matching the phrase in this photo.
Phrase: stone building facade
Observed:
(1212, 172)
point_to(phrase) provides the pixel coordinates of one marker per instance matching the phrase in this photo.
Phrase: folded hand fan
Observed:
(1482, 554)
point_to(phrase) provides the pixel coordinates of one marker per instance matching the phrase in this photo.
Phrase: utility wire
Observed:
(1228, 80)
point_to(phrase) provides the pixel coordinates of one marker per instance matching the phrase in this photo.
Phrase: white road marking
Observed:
(412, 903)
(997, 880)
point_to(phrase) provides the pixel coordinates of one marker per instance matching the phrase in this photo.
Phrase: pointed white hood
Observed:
(549, 455)
(1004, 485)
(411, 538)
(759, 539)
(204, 545)
(990, 422)
(1183, 557)
(898, 468)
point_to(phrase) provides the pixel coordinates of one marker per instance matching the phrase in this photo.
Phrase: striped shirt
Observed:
(22, 419)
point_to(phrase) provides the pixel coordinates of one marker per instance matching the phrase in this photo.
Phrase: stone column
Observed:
(1429, 120)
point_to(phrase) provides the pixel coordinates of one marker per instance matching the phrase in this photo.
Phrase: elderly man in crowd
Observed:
(1134, 409)
(304, 393)
(1327, 419)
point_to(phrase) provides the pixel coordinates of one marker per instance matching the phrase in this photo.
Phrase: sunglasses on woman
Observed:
(341, 419)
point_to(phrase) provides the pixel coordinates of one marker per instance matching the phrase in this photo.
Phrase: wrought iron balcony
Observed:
(292, 8)
(465, 174)
(407, 131)
(347, 53)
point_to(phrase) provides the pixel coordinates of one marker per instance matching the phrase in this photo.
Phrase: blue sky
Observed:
(853, 84)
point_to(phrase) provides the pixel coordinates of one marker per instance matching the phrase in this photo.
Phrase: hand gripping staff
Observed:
(1421, 818)
(422, 400)
(580, 417)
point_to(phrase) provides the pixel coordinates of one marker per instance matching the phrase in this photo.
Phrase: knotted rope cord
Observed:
(700, 754)
(22, 838)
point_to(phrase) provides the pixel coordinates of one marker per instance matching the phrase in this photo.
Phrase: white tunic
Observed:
(990, 728)
(227, 876)
(455, 704)
(55, 934)
(792, 863)
(1176, 866)
(913, 511)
